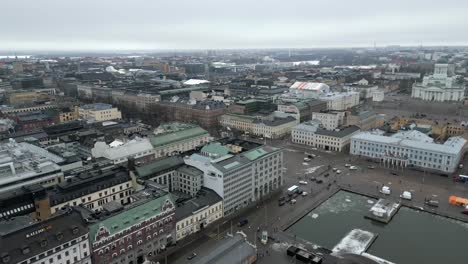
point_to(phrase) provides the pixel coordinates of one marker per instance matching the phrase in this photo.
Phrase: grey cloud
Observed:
(156, 24)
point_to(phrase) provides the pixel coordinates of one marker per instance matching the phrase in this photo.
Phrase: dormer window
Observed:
(43, 243)
(5, 258)
(59, 236)
(75, 230)
(26, 250)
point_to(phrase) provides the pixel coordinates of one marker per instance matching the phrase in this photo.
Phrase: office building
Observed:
(311, 134)
(99, 112)
(240, 176)
(269, 127)
(341, 101)
(410, 149)
(91, 189)
(198, 212)
(174, 138)
(25, 164)
(329, 119)
(62, 238)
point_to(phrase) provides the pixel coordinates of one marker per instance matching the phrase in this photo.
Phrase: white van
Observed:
(406, 195)
(385, 190)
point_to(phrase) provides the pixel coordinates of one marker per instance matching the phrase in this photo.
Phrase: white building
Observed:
(239, 178)
(329, 120)
(309, 89)
(341, 101)
(378, 96)
(363, 88)
(99, 112)
(138, 148)
(198, 213)
(442, 86)
(23, 164)
(410, 149)
(310, 134)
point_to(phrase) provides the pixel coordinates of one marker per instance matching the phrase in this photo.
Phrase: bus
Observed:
(293, 189)
(461, 178)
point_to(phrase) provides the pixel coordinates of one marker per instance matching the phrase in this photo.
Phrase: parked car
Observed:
(326, 175)
(304, 193)
(334, 169)
(338, 172)
(406, 195)
(306, 159)
(353, 168)
(347, 165)
(313, 179)
(319, 181)
(371, 167)
(394, 173)
(431, 202)
(242, 222)
(293, 201)
(303, 182)
(192, 256)
(281, 201)
(385, 190)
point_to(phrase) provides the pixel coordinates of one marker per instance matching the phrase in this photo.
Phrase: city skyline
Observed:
(140, 25)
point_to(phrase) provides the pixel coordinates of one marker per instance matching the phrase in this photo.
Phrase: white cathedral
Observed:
(442, 86)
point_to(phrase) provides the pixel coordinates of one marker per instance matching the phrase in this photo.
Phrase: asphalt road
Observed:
(274, 218)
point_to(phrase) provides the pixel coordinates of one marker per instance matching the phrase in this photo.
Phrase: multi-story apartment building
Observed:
(92, 189)
(24, 164)
(365, 120)
(205, 114)
(139, 149)
(302, 110)
(198, 213)
(188, 180)
(175, 138)
(341, 101)
(410, 149)
(162, 171)
(240, 176)
(134, 233)
(99, 112)
(330, 119)
(269, 127)
(310, 134)
(62, 238)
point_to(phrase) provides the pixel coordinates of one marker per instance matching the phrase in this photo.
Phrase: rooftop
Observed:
(338, 132)
(205, 197)
(25, 239)
(158, 166)
(231, 250)
(453, 145)
(97, 106)
(176, 132)
(86, 183)
(133, 214)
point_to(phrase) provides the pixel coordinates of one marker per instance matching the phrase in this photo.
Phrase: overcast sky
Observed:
(206, 24)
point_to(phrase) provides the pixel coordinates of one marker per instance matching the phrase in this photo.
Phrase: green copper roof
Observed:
(129, 217)
(215, 149)
(168, 138)
(158, 165)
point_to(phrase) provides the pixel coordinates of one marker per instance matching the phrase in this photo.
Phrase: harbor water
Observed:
(411, 236)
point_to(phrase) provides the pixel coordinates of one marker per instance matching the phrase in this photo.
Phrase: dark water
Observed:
(411, 237)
